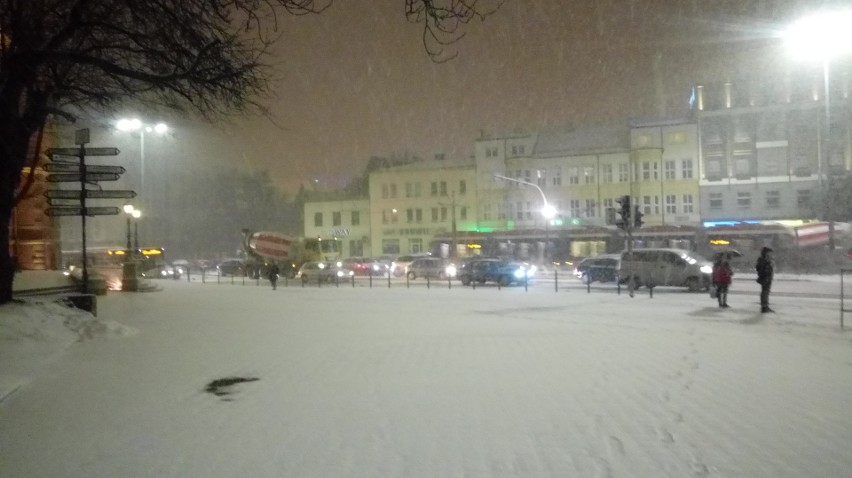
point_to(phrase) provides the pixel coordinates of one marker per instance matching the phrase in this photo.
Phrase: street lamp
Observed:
(135, 124)
(547, 210)
(136, 215)
(822, 36)
(128, 210)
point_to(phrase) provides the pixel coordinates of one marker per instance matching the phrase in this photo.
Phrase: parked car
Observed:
(602, 268)
(666, 267)
(363, 266)
(399, 265)
(430, 267)
(231, 267)
(318, 271)
(503, 272)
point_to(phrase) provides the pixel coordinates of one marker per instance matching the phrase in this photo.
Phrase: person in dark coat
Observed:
(722, 275)
(765, 270)
(273, 275)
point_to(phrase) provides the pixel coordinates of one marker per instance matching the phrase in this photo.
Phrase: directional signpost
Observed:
(89, 194)
(65, 169)
(82, 211)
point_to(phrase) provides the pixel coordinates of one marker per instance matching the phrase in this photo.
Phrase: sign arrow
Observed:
(90, 194)
(75, 152)
(81, 211)
(77, 177)
(64, 167)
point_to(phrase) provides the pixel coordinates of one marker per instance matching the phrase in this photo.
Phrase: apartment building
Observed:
(343, 220)
(768, 149)
(412, 204)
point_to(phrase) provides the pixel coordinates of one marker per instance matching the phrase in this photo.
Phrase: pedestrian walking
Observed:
(765, 270)
(273, 275)
(722, 275)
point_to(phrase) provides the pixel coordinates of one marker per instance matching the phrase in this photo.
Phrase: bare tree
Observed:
(59, 58)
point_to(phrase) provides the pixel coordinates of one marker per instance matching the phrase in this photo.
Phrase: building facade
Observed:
(346, 221)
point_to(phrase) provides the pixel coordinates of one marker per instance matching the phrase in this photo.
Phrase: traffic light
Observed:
(637, 217)
(624, 212)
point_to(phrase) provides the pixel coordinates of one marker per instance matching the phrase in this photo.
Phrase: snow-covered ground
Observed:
(424, 383)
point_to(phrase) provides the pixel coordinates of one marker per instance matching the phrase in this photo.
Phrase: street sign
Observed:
(64, 167)
(77, 177)
(81, 211)
(81, 136)
(90, 194)
(88, 151)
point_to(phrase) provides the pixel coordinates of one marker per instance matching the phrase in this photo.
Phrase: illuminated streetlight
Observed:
(547, 210)
(135, 124)
(136, 215)
(128, 210)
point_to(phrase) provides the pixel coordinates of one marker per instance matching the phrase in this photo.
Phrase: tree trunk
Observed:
(7, 264)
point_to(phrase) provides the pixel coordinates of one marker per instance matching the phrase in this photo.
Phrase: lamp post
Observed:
(128, 211)
(823, 36)
(547, 210)
(135, 124)
(136, 215)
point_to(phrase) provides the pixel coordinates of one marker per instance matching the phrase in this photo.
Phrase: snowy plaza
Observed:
(206, 380)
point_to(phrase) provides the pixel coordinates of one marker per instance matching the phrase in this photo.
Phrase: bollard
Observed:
(589, 281)
(370, 275)
(427, 282)
(555, 280)
(449, 282)
(526, 282)
(389, 281)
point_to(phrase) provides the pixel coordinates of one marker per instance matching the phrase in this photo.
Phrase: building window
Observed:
(646, 204)
(574, 205)
(686, 168)
(589, 175)
(434, 214)
(492, 152)
(671, 203)
(434, 188)
(606, 173)
(716, 202)
(773, 199)
(574, 175)
(385, 217)
(385, 191)
(335, 218)
(743, 200)
(462, 187)
(669, 170)
(443, 188)
(556, 178)
(803, 198)
(356, 218)
(394, 216)
(646, 172)
(687, 204)
(443, 214)
(409, 215)
(623, 173)
(390, 247)
(317, 219)
(590, 208)
(541, 177)
(519, 211)
(418, 215)
(356, 248)
(409, 190)
(415, 245)
(463, 213)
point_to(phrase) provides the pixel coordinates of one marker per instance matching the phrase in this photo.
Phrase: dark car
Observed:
(231, 267)
(503, 272)
(363, 266)
(602, 268)
(429, 267)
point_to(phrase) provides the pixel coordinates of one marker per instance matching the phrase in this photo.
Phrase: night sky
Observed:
(355, 81)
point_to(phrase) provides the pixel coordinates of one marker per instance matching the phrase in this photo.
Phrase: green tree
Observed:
(63, 57)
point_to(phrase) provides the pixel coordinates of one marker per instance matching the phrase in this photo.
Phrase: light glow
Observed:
(822, 36)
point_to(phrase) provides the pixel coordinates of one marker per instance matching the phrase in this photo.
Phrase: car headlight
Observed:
(450, 270)
(340, 274)
(706, 269)
(519, 273)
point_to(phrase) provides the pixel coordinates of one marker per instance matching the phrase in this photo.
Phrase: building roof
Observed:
(602, 139)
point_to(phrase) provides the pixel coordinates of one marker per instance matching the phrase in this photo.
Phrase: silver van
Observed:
(666, 267)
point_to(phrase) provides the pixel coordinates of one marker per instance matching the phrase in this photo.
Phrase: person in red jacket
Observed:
(722, 275)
